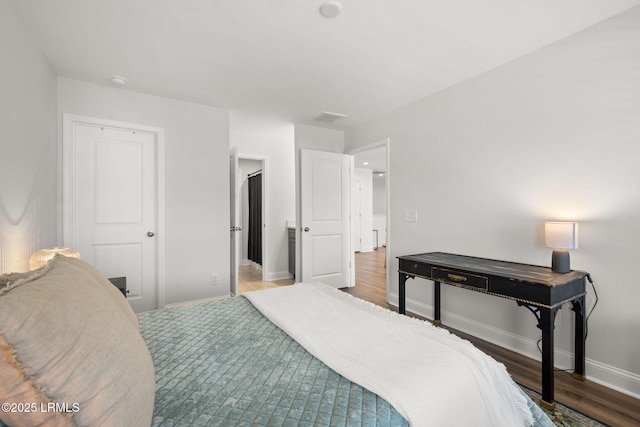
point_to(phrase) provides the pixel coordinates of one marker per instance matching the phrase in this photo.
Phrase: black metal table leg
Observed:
(547, 317)
(579, 308)
(436, 303)
(402, 307)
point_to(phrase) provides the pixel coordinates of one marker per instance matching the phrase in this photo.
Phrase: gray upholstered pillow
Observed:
(9, 280)
(113, 292)
(64, 341)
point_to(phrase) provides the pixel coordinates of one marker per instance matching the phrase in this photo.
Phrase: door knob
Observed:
(150, 233)
(306, 229)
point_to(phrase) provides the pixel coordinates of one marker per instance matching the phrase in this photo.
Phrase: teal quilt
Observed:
(222, 363)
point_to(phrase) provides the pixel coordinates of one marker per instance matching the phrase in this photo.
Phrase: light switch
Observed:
(410, 215)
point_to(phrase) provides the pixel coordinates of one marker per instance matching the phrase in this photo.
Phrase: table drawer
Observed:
(417, 268)
(459, 278)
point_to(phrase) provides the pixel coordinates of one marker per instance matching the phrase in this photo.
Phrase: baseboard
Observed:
(254, 264)
(615, 378)
(278, 275)
(196, 301)
(601, 373)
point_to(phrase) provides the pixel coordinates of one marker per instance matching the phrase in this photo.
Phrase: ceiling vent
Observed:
(328, 117)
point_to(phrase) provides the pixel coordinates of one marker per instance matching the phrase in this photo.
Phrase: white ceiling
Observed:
(282, 58)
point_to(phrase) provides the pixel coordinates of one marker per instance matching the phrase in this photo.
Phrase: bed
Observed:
(225, 363)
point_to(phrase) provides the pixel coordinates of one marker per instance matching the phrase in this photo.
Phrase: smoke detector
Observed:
(328, 117)
(330, 9)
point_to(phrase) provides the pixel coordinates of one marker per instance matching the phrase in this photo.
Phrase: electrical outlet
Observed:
(410, 215)
(214, 279)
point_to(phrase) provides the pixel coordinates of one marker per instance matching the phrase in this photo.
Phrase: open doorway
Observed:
(251, 202)
(370, 215)
(252, 264)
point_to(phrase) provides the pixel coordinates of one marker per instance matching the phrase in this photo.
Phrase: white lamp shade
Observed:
(43, 256)
(561, 235)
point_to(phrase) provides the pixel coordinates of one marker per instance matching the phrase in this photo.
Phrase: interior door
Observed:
(325, 182)
(234, 219)
(113, 206)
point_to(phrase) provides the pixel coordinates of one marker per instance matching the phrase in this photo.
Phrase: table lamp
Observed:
(43, 256)
(561, 236)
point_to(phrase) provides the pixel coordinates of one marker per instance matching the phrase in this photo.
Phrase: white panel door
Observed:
(114, 206)
(325, 223)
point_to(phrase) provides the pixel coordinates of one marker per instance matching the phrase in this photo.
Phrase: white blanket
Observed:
(430, 376)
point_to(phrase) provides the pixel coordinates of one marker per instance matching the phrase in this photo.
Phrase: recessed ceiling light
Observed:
(118, 80)
(365, 163)
(330, 9)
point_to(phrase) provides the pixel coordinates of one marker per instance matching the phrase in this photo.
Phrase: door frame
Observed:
(69, 121)
(356, 208)
(387, 144)
(266, 268)
(233, 221)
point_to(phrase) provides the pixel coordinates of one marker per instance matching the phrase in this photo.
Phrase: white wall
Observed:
(554, 135)
(380, 194)
(274, 140)
(380, 224)
(380, 207)
(311, 137)
(196, 179)
(28, 146)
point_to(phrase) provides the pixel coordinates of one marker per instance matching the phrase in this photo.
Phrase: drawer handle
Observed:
(457, 277)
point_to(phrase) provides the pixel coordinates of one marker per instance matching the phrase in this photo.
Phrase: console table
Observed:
(536, 288)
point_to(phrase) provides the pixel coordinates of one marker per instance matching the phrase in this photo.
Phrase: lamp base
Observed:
(560, 261)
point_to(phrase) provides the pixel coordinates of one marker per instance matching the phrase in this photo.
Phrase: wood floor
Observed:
(605, 404)
(250, 279)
